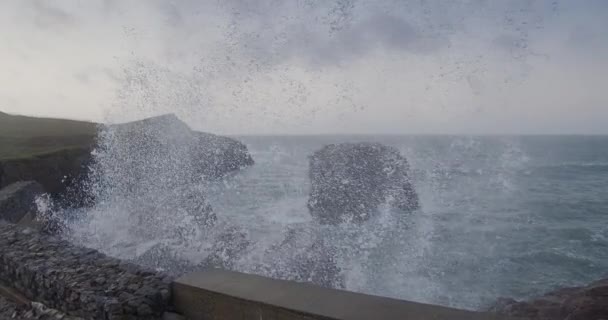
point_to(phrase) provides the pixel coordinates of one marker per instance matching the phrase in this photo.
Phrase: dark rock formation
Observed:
(18, 204)
(351, 180)
(226, 249)
(59, 172)
(140, 147)
(165, 149)
(162, 258)
(18, 201)
(11, 310)
(302, 256)
(156, 166)
(78, 281)
(176, 214)
(219, 155)
(577, 303)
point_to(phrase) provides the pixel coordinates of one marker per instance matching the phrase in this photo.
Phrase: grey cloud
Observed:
(514, 45)
(328, 44)
(91, 75)
(48, 16)
(585, 38)
(83, 77)
(380, 31)
(172, 12)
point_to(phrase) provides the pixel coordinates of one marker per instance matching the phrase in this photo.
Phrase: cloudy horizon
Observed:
(312, 67)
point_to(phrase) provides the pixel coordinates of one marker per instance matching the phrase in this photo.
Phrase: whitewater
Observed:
(500, 216)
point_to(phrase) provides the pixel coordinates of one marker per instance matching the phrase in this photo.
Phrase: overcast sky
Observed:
(312, 66)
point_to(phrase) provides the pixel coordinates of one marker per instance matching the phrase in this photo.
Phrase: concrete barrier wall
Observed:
(78, 281)
(219, 294)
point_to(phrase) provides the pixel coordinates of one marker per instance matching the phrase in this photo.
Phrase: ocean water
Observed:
(511, 216)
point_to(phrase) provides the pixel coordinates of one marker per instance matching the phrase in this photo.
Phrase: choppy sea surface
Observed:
(500, 216)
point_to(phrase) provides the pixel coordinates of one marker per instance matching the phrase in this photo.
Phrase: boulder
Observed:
(227, 248)
(59, 172)
(18, 201)
(176, 214)
(19, 204)
(351, 180)
(576, 303)
(303, 256)
(162, 258)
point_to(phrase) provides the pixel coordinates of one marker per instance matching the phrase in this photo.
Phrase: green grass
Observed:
(22, 136)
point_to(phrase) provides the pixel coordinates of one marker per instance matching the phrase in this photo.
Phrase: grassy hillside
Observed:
(22, 136)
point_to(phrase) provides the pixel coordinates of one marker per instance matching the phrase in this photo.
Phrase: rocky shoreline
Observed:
(575, 303)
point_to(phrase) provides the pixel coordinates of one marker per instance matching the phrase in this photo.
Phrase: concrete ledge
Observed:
(219, 294)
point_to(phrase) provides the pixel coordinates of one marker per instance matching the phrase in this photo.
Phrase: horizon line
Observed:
(274, 134)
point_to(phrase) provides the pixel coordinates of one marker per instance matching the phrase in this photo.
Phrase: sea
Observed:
(500, 216)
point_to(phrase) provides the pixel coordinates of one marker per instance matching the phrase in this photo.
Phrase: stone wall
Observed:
(78, 281)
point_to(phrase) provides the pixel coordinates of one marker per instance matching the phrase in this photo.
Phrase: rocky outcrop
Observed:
(351, 180)
(78, 281)
(155, 168)
(165, 149)
(140, 147)
(163, 258)
(21, 203)
(18, 201)
(577, 303)
(227, 247)
(219, 155)
(303, 256)
(59, 172)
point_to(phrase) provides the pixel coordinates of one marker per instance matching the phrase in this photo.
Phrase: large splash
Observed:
(156, 211)
(307, 62)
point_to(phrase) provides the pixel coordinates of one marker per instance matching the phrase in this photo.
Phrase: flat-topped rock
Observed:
(350, 181)
(166, 146)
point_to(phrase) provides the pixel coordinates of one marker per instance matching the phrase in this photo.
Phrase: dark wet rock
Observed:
(351, 180)
(304, 257)
(18, 201)
(165, 150)
(177, 214)
(78, 281)
(19, 204)
(158, 164)
(317, 265)
(163, 258)
(219, 155)
(59, 172)
(226, 249)
(156, 169)
(141, 147)
(576, 303)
